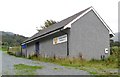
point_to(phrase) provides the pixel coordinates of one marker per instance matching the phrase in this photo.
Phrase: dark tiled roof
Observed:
(56, 26)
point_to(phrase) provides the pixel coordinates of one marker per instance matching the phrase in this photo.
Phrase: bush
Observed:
(10, 53)
(14, 49)
(115, 54)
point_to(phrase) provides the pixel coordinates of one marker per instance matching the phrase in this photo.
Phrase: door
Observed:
(37, 47)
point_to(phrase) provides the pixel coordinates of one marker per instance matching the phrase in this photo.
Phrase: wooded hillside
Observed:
(11, 39)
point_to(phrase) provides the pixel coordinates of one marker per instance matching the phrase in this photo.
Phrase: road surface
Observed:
(9, 61)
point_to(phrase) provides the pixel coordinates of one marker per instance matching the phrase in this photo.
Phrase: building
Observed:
(84, 34)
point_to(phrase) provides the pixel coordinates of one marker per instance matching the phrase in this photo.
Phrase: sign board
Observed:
(24, 46)
(60, 39)
(106, 50)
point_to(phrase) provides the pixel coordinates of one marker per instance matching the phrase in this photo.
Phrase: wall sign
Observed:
(24, 46)
(106, 50)
(60, 39)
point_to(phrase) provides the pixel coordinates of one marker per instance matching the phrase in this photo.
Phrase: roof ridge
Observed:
(69, 17)
(57, 25)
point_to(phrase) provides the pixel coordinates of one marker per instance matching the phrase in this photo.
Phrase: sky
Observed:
(24, 16)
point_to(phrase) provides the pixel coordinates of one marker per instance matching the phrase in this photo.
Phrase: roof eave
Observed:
(39, 37)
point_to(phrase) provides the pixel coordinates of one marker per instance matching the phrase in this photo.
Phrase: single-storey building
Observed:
(84, 34)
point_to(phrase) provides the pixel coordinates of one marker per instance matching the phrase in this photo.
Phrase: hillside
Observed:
(11, 39)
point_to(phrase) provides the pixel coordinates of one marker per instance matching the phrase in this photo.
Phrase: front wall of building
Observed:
(29, 50)
(88, 37)
(47, 48)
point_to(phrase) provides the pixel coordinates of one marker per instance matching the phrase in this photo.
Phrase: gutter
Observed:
(44, 35)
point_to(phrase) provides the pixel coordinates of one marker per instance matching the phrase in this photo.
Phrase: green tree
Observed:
(114, 43)
(47, 23)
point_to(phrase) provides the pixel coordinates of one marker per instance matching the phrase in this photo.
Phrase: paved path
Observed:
(49, 68)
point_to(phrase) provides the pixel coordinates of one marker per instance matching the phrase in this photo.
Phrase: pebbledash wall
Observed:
(87, 36)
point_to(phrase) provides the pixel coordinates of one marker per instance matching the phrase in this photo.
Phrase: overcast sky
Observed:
(23, 16)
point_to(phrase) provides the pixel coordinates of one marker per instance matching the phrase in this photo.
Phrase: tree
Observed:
(114, 43)
(47, 23)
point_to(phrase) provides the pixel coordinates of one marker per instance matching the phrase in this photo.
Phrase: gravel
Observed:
(8, 63)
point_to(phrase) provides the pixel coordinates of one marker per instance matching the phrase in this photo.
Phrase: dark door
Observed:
(37, 47)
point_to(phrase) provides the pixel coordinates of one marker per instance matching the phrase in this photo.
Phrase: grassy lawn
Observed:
(22, 69)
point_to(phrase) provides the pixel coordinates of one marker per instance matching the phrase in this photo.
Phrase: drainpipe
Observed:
(67, 41)
(67, 45)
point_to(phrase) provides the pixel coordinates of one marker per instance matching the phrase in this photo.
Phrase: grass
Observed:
(10, 50)
(22, 69)
(95, 67)
(0, 48)
(4, 49)
(56, 68)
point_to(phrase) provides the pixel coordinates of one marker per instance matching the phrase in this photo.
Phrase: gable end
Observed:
(91, 8)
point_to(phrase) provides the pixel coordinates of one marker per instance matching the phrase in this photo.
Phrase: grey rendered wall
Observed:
(29, 50)
(89, 37)
(48, 49)
(24, 52)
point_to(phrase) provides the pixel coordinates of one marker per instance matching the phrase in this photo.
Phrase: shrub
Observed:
(10, 53)
(16, 51)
